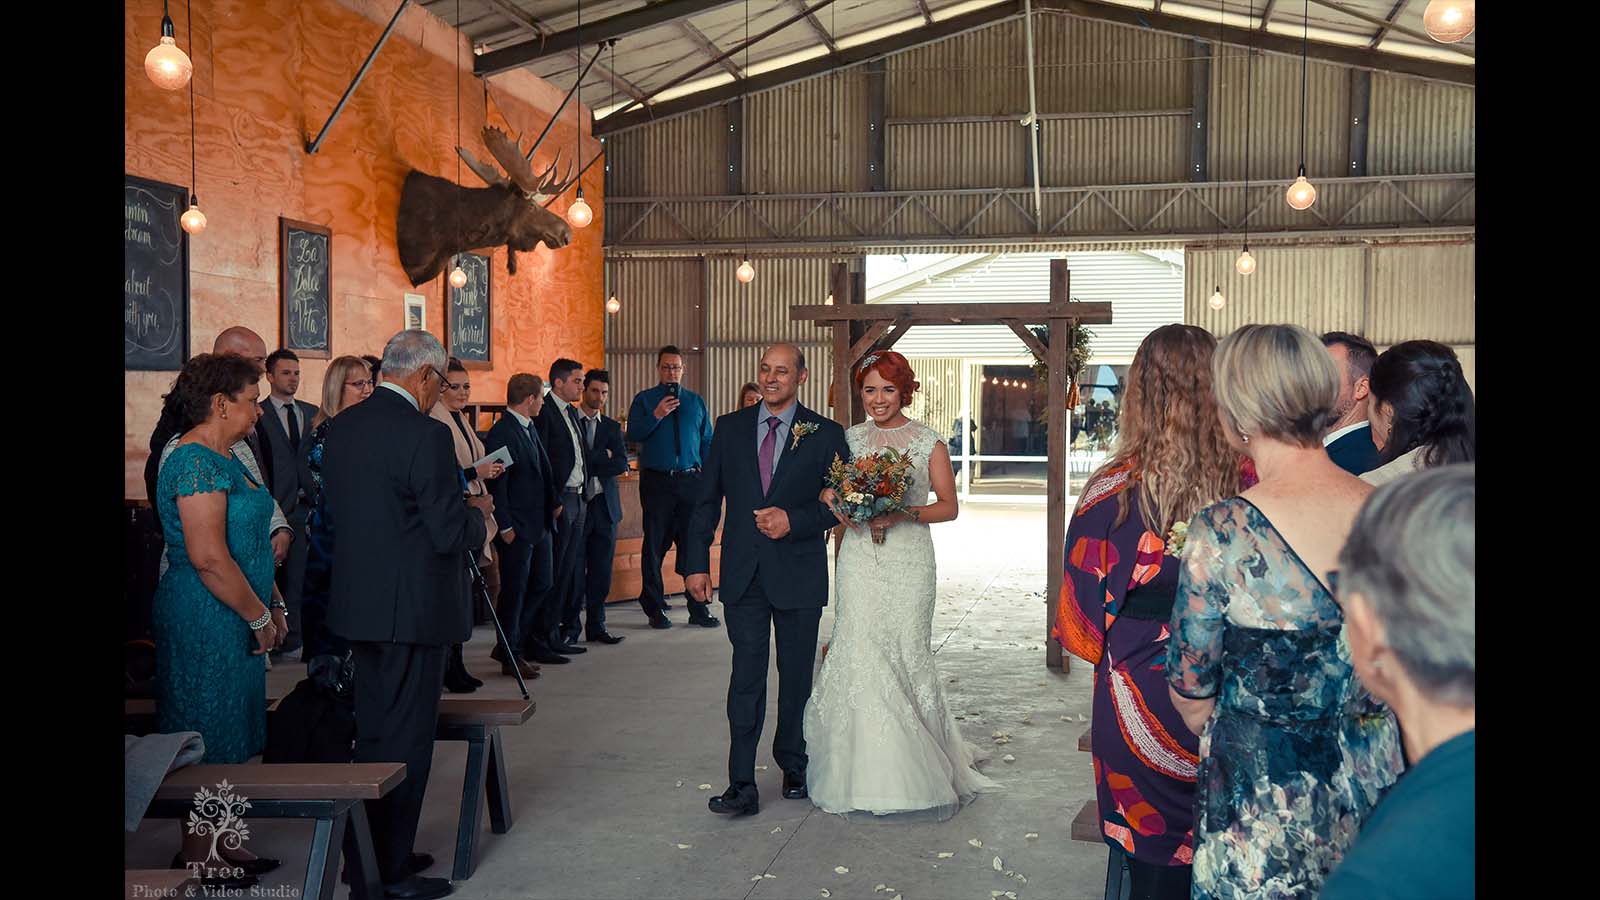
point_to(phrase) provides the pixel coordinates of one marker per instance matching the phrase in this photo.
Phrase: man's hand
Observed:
(666, 406)
(699, 586)
(772, 522)
(280, 624)
(281, 539)
(482, 502)
(509, 535)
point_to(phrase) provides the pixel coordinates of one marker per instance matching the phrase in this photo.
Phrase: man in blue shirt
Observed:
(672, 427)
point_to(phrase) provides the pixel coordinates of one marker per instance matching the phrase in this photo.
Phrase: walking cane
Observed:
(482, 587)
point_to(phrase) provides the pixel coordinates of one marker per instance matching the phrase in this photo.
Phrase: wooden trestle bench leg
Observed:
(486, 776)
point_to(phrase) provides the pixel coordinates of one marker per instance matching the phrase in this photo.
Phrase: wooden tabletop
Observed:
(146, 883)
(288, 781)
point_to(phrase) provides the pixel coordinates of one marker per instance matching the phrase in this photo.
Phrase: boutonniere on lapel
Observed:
(800, 431)
(1176, 538)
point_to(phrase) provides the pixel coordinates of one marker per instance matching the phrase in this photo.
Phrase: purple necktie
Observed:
(764, 458)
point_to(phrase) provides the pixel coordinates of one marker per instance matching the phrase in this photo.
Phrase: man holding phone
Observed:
(672, 427)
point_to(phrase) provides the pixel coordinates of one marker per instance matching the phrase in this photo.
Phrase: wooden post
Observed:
(1056, 465)
(839, 282)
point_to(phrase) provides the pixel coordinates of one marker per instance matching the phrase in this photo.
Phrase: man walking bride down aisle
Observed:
(881, 738)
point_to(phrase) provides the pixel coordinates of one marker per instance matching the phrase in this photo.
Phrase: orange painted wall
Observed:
(267, 74)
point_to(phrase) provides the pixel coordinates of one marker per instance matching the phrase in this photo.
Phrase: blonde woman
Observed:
(347, 382)
(1293, 752)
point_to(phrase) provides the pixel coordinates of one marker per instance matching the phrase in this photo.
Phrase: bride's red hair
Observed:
(893, 368)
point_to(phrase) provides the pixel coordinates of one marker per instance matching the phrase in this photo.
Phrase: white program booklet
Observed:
(501, 456)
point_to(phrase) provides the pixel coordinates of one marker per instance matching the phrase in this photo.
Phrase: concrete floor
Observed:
(605, 777)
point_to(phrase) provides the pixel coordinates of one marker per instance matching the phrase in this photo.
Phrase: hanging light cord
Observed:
(455, 81)
(1249, 90)
(194, 172)
(1221, 29)
(744, 91)
(577, 89)
(1305, 30)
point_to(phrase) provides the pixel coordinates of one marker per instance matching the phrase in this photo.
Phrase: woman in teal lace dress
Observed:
(210, 619)
(1296, 752)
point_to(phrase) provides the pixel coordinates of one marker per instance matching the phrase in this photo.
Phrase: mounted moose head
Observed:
(439, 218)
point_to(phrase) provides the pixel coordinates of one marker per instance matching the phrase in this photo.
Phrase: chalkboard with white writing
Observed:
(155, 276)
(467, 313)
(305, 287)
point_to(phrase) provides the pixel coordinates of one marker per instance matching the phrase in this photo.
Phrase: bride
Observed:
(878, 733)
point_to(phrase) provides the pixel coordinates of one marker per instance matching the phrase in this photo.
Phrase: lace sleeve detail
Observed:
(195, 471)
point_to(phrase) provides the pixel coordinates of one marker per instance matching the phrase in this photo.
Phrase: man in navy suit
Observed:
(525, 496)
(608, 458)
(768, 462)
(1349, 438)
(284, 421)
(560, 432)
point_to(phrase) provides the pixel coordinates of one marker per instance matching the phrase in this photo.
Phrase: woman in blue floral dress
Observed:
(1294, 752)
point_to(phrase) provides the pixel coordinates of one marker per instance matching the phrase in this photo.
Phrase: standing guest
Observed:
(469, 449)
(526, 501)
(284, 421)
(239, 341)
(563, 440)
(608, 458)
(1297, 752)
(211, 618)
(671, 424)
(400, 590)
(1349, 438)
(347, 382)
(1422, 411)
(1409, 590)
(1171, 461)
(749, 395)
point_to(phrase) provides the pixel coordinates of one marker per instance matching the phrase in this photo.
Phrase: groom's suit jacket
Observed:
(794, 569)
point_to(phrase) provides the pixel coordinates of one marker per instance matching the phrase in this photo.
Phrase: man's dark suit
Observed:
(568, 544)
(392, 490)
(289, 478)
(600, 531)
(1354, 452)
(778, 586)
(525, 500)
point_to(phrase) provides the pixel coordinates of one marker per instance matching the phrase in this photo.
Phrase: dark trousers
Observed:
(524, 584)
(1152, 882)
(749, 621)
(599, 545)
(566, 554)
(666, 502)
(397, 711)
(291, 576)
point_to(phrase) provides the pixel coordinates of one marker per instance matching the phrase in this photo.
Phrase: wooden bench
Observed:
(1086, 827)
(1083, 740)
(147, 884)
(478, 722)
(330, 794)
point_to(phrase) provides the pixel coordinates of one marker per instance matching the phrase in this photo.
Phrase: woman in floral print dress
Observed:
(1117, 595)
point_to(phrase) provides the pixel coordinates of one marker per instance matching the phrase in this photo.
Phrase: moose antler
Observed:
(490, 175)
(505, 152)
(549, 185)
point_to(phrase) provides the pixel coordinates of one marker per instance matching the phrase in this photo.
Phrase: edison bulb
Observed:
(1301, 194)
(746, 272)
(193, 220)
(579, 213)
(828, 301)
(458, 278)
(1217, 300)
(1245, 264)
(613, 305)
(168, 66)
(1448, 21)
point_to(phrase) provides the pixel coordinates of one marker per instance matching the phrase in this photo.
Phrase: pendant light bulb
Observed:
(193, 220)
(613, 305)
(579, 213)
(1448, 21)
(458, 278)
(746, 272)
(1217, 301)
(1302, 193)
(828, 301)
(166, 65)
(1245, 264)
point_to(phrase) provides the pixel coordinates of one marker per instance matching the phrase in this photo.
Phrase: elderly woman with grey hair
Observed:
(1408, 586)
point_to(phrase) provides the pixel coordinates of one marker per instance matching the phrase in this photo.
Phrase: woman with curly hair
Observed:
(1171, 461)
(1421, 410)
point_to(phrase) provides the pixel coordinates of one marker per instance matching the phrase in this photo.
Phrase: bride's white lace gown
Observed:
(880, 738)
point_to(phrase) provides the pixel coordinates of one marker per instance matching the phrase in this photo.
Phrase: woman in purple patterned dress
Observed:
(1117, 594)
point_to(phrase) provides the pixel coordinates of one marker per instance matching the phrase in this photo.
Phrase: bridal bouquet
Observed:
(871, 485)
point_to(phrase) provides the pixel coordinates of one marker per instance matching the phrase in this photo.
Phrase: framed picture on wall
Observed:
(467, 315)
(416, 312)
(305, 287)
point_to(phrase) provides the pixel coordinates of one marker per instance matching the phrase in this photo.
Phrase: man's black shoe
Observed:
(547, 657)
(569, 649)
(660, 621)
(418, 887)
(416, 863)
(606, 637)
(794, 786)
(704, 620)
(733, 802)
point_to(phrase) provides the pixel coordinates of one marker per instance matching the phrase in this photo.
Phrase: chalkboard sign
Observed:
(467, 313)
(155, 276)
(305, 287)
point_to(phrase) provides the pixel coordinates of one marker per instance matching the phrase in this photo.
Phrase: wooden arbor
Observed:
(878, 326)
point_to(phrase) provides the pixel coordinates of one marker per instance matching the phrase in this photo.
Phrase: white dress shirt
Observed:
(575, 479)
(1334, 436)
(404, 393)
(281, 408)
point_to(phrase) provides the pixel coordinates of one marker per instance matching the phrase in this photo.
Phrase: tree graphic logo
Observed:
(219, 814)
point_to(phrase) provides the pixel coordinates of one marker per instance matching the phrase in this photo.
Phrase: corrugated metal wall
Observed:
(811, 136)
(956, 155)
(938, 402)
(687, 155)
(1097, 151)
(1421, 127)
(1274, 132)
(1424, 291)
